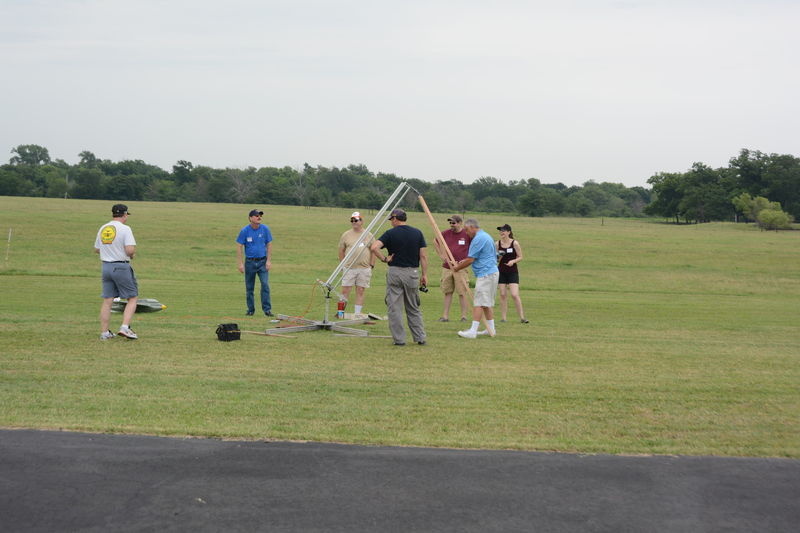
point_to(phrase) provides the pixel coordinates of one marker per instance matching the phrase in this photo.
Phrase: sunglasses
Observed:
(355, 220)
(452, 222)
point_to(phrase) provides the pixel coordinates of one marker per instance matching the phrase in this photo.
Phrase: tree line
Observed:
(703, 193)
(698, 195)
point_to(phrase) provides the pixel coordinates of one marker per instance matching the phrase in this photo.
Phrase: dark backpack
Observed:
(228, 332)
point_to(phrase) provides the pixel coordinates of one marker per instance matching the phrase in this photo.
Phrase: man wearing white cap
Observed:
(359, 266)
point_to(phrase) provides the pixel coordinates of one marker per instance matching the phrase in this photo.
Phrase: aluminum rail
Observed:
(380, 218)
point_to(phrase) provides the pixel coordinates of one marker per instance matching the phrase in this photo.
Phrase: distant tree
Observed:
(219, 188)
(54, 180)
(703, 196)
(553, 202)
(29, 154)
(182, 172)
(88, 183)
(88, 159)
(12, 184)
(578, 204)
(752, 208)
(125, 187)
(667, 192)
(532, 203)
(495, 204)
(161, 191)
(242, 184)
(774, 219)
(782, 182)
(487, 186)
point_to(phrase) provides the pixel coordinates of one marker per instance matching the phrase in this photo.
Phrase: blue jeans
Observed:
(251, 268)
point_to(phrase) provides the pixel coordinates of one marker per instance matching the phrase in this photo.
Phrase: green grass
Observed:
(644, 338)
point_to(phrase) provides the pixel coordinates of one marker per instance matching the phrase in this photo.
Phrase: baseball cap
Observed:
(119, 209)
(504, 227)
(255, 212)
(399, 214)
(355, 214)
(454, 218)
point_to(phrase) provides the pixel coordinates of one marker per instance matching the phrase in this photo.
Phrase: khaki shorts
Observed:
(357, 276)
(449, 284)
(485, 290)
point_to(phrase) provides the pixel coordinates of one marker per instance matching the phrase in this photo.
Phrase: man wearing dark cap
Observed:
(457, 241)
(116, 246)
(255, 244)
(407, 252)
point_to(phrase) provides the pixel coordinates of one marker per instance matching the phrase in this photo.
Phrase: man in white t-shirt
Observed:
(361, 263)
(116, 246)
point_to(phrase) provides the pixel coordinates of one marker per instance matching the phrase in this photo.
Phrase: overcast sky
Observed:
(562, 91)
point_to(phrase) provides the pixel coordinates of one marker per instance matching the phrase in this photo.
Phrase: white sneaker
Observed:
(467, 334)
(107, 335)
(482, 332)
(127, 333)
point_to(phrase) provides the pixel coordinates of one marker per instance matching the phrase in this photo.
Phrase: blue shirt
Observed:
(254, 240)
(483, 251)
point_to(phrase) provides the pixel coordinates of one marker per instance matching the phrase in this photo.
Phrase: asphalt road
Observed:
(60, 481)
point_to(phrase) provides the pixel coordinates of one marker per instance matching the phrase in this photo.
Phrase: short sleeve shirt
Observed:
(404, 242)
(112, 239)
(484, 253)
(361, 258)
(458, 244)
(255, 240)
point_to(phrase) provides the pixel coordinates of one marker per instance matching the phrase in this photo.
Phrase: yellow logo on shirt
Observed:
(107, 234)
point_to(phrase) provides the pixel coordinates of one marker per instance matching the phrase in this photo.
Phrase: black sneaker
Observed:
(250, 313)
(421, 343)
(399, 344)
(268, 313)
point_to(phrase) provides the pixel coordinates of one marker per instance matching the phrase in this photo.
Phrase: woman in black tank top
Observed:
(510, 253)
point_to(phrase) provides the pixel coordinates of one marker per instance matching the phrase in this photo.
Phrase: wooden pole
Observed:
(451, 259)
(266, 334)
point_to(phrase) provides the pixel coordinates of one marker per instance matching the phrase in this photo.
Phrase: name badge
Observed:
(462, 242)
(249, 239)
(509, 250)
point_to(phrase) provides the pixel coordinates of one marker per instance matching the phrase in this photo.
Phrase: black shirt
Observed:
(404, 243)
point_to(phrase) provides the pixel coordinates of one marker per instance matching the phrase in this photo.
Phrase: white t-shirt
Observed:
(112, 239)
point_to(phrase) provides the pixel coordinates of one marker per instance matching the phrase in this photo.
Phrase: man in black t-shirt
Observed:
(407, 251)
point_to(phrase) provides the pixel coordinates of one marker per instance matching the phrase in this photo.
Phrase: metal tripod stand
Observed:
(329, 286)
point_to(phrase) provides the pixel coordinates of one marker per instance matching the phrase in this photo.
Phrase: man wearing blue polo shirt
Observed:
(255, 240)
(482, 256)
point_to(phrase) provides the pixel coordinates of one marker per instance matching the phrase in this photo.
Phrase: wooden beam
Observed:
(451, 259)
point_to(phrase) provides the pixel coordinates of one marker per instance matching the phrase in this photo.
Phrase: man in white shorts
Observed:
(358, 270)
(483, 258)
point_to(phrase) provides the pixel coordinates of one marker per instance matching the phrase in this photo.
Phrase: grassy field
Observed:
(644, 338)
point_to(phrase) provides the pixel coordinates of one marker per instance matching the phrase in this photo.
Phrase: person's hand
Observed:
(269, 264)
(389, 258)
(424, 280)
(241, 268)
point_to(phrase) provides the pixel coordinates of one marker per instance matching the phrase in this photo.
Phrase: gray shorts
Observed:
(485, 290)
(119, 281)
